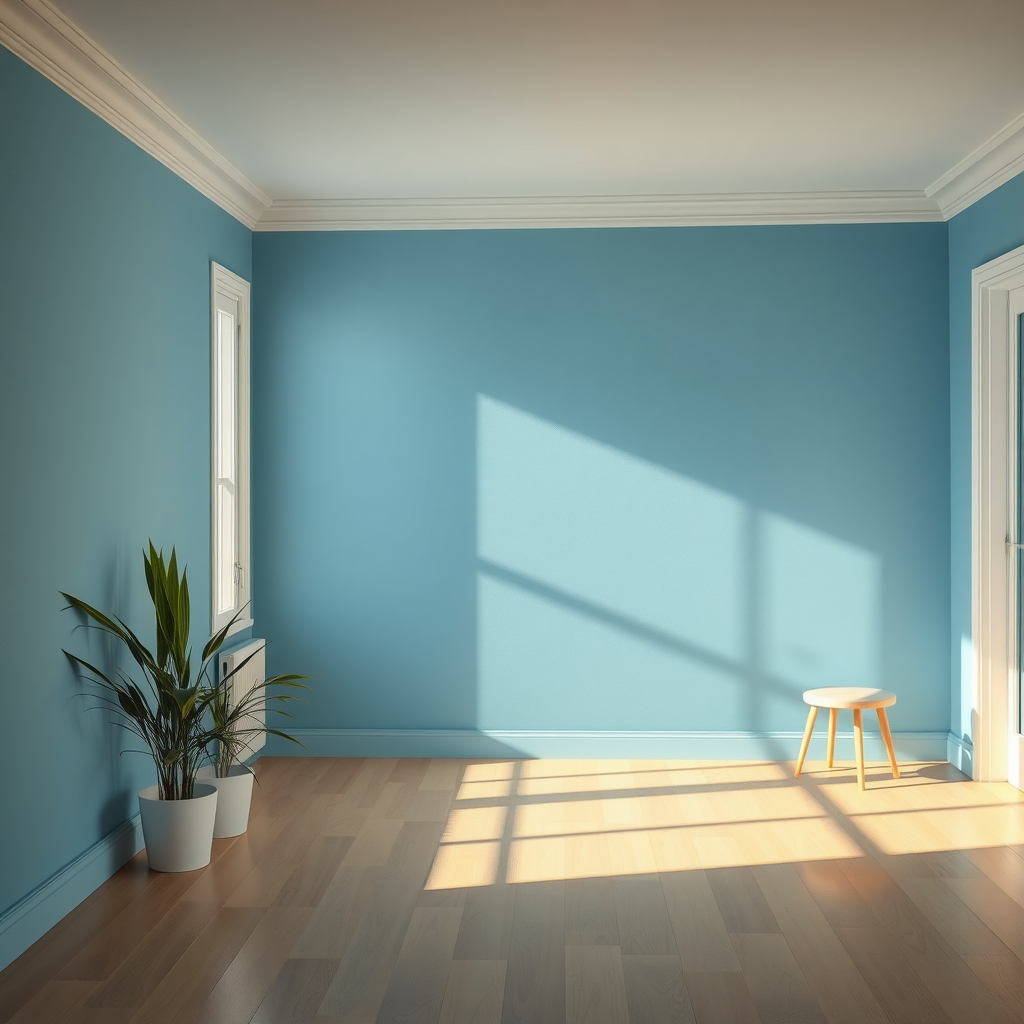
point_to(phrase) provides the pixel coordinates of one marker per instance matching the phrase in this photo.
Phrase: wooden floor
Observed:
(527, 892)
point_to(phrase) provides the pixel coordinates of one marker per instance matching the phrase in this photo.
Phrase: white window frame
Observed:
(993, 491)
(223, 282)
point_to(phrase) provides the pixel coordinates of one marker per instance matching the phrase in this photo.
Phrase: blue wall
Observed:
(104, 441)
(560, 480)
(992, 226)
(632, 479)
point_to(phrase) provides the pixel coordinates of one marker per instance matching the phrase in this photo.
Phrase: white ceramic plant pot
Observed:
(234, 794)
(178, 833)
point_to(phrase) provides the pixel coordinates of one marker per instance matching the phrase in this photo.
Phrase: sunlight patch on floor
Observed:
(531, 821)
(464, 864)
(475, 823)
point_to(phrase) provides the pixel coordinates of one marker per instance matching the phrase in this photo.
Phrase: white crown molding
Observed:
(41, 36)
(992, 164)
(600, 211)
(38, 33)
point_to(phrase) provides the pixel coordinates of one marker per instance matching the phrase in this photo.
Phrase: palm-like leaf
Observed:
(230, 719)
(180, 717)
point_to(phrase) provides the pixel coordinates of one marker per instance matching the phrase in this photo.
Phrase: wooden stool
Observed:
(856, 698)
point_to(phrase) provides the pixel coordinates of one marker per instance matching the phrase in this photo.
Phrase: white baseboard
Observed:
(960, 753)
(471, 743)
(35, 914)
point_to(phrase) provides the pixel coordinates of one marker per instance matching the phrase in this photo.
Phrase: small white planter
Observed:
(178, 833)
(234, 794)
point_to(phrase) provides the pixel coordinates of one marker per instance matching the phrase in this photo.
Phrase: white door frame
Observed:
(993, 497)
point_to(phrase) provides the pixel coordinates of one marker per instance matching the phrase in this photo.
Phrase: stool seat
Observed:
(849, 697)
(856, 699)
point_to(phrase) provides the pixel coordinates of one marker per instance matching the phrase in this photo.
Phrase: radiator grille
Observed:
(241, 683)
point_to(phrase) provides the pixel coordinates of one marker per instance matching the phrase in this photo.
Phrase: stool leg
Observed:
(833, 719)
(858, 742)
(883, 724)
(811, 715)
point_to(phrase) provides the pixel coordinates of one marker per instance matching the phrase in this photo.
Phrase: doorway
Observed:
(997, 519)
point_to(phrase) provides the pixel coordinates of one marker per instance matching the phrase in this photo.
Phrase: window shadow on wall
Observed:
(612, 592)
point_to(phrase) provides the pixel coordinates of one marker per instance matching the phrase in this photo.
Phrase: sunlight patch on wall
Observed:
(613, 530)
(613, 593)
(819, 607)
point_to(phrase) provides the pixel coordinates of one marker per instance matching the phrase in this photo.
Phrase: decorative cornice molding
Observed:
(41, 36)
(600, 211)
(38, 33)
(992, 164)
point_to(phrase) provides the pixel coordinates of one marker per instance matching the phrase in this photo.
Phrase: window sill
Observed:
(239, 625)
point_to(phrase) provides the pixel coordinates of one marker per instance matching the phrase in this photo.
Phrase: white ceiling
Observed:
(333, 99)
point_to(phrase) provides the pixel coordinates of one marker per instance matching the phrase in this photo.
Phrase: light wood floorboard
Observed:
(418, 891)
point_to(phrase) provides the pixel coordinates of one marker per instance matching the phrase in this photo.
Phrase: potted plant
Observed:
(234, 726)
(169, 709)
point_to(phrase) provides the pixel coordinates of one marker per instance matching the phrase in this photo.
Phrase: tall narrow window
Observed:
(229, 435)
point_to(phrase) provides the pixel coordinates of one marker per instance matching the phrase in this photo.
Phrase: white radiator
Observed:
(241, 683)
